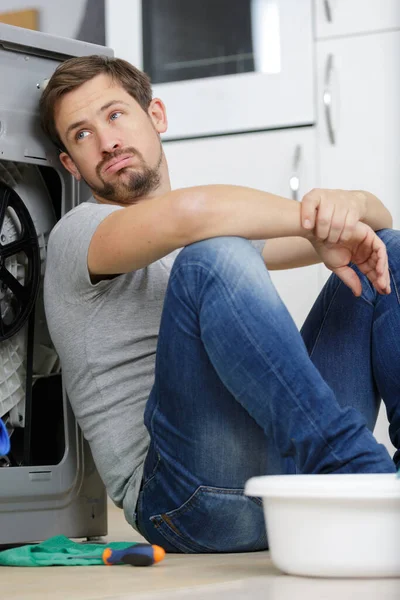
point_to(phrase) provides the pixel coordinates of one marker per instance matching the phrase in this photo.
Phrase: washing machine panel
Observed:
(49, 484)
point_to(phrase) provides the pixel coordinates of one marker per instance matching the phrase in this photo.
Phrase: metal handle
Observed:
(294, 181)
(328, 11)
(328, 99)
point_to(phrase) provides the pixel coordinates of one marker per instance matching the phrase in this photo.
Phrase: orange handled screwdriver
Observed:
(139, 555)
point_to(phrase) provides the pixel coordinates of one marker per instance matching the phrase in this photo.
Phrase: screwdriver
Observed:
(138, 555)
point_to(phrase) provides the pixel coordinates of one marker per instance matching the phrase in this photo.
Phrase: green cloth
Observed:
(58, 550)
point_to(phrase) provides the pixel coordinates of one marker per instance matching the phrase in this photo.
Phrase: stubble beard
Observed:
(131, 182)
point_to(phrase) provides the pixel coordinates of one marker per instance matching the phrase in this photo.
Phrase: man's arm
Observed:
(333, 214)
(376, 215)
(145, 232)
(140, 234)
(289, 253)
(325, 207)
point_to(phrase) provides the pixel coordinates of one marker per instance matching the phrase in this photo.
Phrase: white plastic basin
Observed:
(332, 525)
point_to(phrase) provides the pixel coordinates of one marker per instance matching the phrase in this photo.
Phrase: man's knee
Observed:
(391, 238)
(220, 244)
(232, 262)
(218, 252)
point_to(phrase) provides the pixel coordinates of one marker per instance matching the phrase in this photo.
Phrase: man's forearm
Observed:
(377, 216)
(144, 232)
(218, 210)
(225, 210)
(289, 253)
(156, 226)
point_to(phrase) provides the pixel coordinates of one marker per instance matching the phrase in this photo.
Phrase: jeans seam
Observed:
(184, 507)
(394, 285)
(378, 350)
(152, 417)
(274, 370)
(329, 307)
(361, 298)
(182, 543)
(153, 473)
(152, 438)
(324, 319)
(165, 519)
(190, 501)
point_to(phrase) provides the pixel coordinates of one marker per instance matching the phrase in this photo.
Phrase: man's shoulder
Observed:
(86, 213)
(67, 248)
(80, 211)
(74, 213)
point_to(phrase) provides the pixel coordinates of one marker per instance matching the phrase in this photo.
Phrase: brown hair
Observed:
(75, 71)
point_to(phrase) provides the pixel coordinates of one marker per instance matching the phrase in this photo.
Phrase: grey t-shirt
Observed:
(106, 337)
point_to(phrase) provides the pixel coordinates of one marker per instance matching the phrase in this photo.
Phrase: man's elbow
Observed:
(191, 211)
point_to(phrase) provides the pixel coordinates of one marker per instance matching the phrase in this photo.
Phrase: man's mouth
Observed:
(118, 163)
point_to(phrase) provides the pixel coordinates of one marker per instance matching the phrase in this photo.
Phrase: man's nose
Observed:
(109, 142)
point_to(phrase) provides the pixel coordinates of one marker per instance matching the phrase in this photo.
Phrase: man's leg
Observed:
(354, 343)
(235, 395)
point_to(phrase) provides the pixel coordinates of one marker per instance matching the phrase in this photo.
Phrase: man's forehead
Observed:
(95, 89)
(88, 98)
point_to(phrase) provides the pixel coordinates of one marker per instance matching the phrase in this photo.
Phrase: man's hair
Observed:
(75, 71)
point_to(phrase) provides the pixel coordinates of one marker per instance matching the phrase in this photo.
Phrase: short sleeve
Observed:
(66, 268)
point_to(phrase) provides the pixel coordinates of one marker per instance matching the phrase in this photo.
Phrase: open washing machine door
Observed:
(26, 219)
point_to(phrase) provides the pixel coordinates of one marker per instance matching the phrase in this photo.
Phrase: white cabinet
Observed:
(359, 115)
(221, 66)
(343, 17)
(358, 87)
(273, 161)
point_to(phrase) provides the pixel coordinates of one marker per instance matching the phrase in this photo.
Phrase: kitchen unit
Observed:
(308, 98)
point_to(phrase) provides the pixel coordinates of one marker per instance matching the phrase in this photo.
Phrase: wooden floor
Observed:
(195, 577)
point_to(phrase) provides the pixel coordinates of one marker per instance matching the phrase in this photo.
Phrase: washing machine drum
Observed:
(26, 219)
(19, 263)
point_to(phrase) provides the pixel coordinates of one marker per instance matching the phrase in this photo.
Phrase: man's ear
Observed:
(158, 114)
(69, 164)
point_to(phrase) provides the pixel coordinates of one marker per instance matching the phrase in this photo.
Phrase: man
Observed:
(181, 408)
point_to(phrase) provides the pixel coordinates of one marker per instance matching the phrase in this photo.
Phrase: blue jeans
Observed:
(239, 392)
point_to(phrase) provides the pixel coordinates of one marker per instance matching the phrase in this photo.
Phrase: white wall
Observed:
(58, 17)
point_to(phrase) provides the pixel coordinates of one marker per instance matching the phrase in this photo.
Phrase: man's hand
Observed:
(333, 214)
(364, 249)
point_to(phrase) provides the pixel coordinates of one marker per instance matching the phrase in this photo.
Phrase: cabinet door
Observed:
(274, 161)
(221, 66)
(345, 17)
(359, 116)
(359, 143)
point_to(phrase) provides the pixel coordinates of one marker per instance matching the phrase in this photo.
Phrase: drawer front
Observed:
(335, 18)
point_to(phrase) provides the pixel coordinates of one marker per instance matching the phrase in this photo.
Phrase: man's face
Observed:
(112, 143)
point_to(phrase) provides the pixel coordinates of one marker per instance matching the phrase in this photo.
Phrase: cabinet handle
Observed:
(294, 181)
(328, 99)
(328, 11)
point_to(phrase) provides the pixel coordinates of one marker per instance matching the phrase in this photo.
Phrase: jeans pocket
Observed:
(215, 520)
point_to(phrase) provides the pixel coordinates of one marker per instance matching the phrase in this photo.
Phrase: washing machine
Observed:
(49, 484)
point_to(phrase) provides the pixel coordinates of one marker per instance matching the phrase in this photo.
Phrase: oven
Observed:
(221, 66)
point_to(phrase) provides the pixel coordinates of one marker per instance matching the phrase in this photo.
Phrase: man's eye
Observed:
(81, 134)
(115, 115)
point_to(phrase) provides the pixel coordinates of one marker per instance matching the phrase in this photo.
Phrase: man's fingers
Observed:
(384, 279)
(309, 207)
(338, 223)
(331, 214)
(376, 268)
(349, 278)
(349, 226)
(324, 221)
(382, 268)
